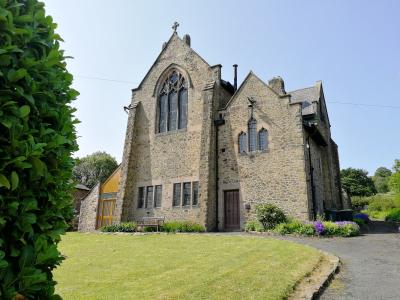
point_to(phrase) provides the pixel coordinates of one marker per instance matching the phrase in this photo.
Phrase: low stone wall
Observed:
(88, 213)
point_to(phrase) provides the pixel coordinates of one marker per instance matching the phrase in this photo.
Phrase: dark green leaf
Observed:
(24, 111)
(4, 182)
(14, 180)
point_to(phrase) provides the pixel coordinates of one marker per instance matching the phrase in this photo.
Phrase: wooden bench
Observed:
(151, 222)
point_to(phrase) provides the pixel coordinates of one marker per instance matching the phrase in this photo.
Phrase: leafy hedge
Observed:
(321, 228)
(121, 227)
(182, 226)
(37, 137)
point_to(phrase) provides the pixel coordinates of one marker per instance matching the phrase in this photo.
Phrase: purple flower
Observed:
(362, 216)
(319, 227)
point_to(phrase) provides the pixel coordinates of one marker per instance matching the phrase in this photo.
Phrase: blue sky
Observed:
(352, 46)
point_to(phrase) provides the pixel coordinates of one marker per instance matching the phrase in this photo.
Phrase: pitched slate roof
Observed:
(307, 97)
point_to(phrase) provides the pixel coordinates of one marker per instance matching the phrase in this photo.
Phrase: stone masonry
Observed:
(299, 171)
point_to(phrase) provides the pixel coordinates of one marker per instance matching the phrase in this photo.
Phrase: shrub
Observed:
(269, 215)
(360, 222)
(394, 215)
(289, 227)
(381, 202)
(253, 225)
(182, 226)
(362, 216)
(306, 229)
(358, 202)
(149, 229)
(319, 228)
(121, 227)
(331, 228)
(37, 138)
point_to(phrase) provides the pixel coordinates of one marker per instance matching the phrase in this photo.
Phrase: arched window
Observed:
(252, 129)
(263, 139)
(242, 142)
(172, 103)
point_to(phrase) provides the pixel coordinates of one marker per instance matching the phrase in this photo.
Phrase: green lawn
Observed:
(180, 266)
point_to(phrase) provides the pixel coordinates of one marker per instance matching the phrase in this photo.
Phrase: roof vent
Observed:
(277, 85)
(186, 39)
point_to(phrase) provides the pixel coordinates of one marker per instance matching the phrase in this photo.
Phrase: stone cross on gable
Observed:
(175, 26)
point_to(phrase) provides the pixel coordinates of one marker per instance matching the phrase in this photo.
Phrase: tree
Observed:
(382, 172)
(394, 182)
(37, 138)
(94, 168)
(381, 179)
(396, 166)
(356, 182)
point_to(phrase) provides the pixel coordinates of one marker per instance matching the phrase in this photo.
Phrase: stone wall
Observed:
(185, 155)
(273, 176)
(78, 195)
(88, 213)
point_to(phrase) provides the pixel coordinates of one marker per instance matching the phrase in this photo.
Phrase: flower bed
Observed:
(316, 228)
(320, 228)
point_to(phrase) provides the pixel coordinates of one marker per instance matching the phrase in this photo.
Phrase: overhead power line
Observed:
(364, 104)
(333, 102)
(106, 79)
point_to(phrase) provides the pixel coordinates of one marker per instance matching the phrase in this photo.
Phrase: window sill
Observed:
(159, 134)
(254, 153)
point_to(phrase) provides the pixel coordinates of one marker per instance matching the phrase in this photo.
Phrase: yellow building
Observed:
(97, 207)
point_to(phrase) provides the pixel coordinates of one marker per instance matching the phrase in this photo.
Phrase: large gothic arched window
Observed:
(172, 103)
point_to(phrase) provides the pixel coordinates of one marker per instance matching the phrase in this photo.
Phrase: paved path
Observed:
(370, 264)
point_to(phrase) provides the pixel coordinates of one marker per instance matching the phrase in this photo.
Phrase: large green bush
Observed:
(37, 137)
(270, 215)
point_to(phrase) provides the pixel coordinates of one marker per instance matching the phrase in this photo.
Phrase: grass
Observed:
(180, 266)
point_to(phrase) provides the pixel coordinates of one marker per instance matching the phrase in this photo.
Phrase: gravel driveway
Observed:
(370, 264)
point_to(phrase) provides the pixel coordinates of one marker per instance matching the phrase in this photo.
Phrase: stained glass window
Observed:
(173, 103)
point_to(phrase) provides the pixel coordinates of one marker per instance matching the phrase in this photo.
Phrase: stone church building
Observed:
(202, 149)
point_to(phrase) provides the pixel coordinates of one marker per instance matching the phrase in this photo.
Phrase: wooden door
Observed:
(105, 212)
(232, 210)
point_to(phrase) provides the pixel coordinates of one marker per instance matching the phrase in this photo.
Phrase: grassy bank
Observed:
(180, 266)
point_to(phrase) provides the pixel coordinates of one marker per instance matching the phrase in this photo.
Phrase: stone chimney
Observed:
(277, 85)
(186, 39)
